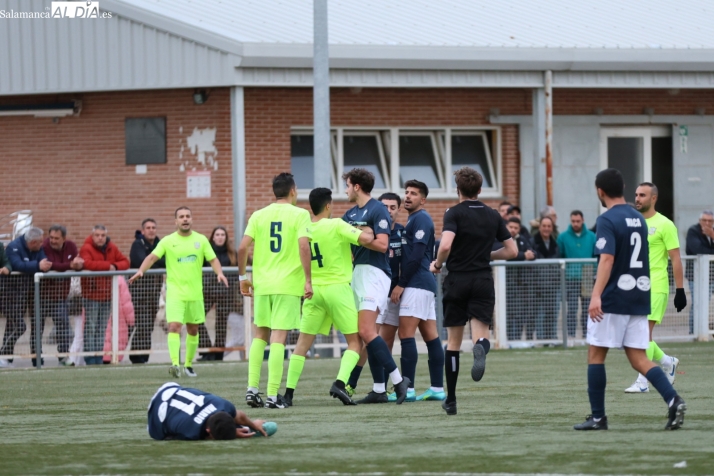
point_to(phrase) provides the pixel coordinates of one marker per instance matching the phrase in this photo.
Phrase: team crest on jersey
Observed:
(383, 224)
(197, 245)
(419, 234)
(364, 213)
(601, 243)
(627, 282)
(643, 283)
(652, 230)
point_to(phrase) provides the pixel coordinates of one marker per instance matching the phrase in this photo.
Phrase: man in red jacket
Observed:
(99, 254)
(64, 257)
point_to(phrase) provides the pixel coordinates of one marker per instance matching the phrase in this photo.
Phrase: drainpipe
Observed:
(549, 136)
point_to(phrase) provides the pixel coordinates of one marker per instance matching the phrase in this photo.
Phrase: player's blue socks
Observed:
(380, 359)
(436, 362)
(596, 389)
(354, 376)
(659, 381)
(409, 359)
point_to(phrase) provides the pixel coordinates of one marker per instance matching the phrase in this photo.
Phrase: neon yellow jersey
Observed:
(184, 263)
(331, 252)
(276, 256)
(662, 237)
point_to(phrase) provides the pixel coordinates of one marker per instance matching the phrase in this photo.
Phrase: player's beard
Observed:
(644, 208)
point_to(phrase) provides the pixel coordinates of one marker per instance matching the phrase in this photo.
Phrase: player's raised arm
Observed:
(246, 286)
(146, 264)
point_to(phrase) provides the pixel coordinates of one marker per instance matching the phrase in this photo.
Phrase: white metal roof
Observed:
(612, 24)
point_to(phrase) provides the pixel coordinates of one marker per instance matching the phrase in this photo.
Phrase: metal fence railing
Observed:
(95, 317)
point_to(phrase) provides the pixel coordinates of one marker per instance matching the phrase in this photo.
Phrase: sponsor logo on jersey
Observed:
(643, 283)
(188, 259)
(626, 282)
(601, 243)
(633, 222)
(419, 234)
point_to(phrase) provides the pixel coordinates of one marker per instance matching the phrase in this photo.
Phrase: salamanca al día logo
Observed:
(77, 10)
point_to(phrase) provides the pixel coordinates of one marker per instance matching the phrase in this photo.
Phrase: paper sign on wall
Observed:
(683, 138)
(198, 184)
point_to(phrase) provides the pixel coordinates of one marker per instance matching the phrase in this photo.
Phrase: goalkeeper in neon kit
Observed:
(333, 301)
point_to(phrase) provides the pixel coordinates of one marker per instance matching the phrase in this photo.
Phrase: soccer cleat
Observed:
(253, 399)
(288, 400)
(175, 371)
(374, 397)
(431, 395)
(189, 372)
(479, 366)
(402, 389)
(278, 403)
(449, 407)
(270, 428)
(350, 391)
(411, 396)
(336, 392)
(638, 387)
(4, 363)
(671, 370)
(591, 424)
(675, 417)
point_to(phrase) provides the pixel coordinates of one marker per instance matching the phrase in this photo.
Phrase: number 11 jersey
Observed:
(276, 255)
(622, 232)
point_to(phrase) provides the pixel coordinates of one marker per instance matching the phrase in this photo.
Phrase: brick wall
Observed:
(632, 101)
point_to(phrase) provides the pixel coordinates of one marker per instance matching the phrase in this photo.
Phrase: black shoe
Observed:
(278, 403)
(42, 361)
(675, 418)
(449, 407)
(336, 392)
(479, 363)
(207, 357)
(591, 424)
(401, 390)
(288, 399)
(253, 399)
(374, 397)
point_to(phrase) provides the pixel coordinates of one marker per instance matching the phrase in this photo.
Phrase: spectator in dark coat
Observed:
(145, 292)
(519, 289)
(700, 241)
(27, 257)
(64, 256)
(547, 287)
(514, 211)
(215, 293)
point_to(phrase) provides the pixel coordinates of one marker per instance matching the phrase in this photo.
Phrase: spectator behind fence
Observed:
(503, 209)
(577, 242)
(145, 292)
(514, 211)
(5, 270)
(64, 256)
(546, 212)
(547, 282)
(99, 254)
(126, 320)
(26, 256)
(519, 288)
(216, 293)
(700, 241)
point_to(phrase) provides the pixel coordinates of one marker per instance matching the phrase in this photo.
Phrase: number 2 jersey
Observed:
(276, 255)
(178, 413)
(622, 232)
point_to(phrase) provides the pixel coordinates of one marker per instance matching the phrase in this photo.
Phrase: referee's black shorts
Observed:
(468, 296)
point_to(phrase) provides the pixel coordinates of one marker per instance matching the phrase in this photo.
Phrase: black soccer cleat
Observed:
(401, 390)
(288, 399)
(253, 399)
(591, 424)
(278, 403)
(336, 392)
(675, 416)
(449, 407)
(479, 366)
(374, 397)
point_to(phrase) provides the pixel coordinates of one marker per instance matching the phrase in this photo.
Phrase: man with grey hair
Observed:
(27, 257)
(99, 254)
(700, 241)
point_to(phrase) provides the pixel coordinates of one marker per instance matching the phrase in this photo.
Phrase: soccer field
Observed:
(517, 420)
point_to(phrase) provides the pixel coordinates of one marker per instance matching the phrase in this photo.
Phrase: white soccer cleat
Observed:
(671, 370)
(638, 387)
(190, 372)
(4, 363)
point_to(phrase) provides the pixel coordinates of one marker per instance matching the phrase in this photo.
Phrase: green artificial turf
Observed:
(518, 419)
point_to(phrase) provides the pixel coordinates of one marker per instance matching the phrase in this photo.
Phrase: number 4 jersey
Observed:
(178, 413)
(276, 255)
(622, 232)
(331, 251)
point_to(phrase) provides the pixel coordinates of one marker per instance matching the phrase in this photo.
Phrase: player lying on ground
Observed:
(332, 300)
(179, 413)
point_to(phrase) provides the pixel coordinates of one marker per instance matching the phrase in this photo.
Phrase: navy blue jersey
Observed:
(178, 413)
(374, 215)
(622, 232)
(419, 229)
(395, 253)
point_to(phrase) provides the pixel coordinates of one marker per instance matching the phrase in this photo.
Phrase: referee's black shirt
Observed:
(475, 226)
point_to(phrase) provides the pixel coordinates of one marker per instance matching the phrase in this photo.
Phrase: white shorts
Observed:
(419, 303)
(370, 286)
(618, 330)
(390, 316)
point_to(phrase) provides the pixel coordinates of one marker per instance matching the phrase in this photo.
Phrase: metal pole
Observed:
(501, 326)
(563, 303)
(238, 161)
(115, 319)
(539, 152)
(549, 136)
(321, 97)
(38, 322)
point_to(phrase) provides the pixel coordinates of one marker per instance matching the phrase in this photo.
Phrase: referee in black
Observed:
(470, 229)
